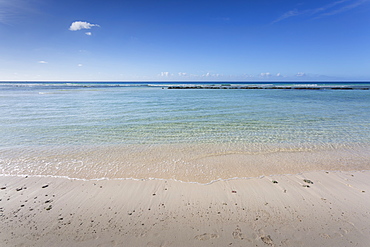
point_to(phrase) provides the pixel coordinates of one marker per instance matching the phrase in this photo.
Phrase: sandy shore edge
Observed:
(308, 209)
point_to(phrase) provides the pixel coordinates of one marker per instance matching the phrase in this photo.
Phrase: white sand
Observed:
(333, 211)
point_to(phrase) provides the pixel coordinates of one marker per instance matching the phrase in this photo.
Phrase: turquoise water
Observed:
(64, 114)
(77, 115)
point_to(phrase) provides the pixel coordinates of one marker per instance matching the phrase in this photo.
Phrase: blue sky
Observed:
(237, 40)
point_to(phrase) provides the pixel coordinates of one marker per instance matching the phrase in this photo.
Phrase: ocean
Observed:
(96, 130)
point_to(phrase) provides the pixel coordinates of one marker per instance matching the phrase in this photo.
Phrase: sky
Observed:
(184, 40)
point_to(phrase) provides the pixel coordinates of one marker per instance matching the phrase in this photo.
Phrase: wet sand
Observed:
(202, 163)
(322, 208)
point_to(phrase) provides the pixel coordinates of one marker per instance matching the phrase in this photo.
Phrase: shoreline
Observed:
(201, 164)
(176, 180)
(319, 208)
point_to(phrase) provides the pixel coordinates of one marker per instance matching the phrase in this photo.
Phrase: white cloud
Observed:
(300, 74)
(80, 65)
(208, 74)
(79, 25)
(88, 33)
(165, 74)
(43, 62)
(268, 74)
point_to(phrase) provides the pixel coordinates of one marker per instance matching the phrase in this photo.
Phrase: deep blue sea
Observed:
(38, 117)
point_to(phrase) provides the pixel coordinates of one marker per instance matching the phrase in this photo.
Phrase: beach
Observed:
(310, 209)
(184, 123)
(96, 164)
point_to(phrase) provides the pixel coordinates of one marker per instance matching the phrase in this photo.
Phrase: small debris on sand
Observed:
(308, 181)
(267, 240)
(45, 186)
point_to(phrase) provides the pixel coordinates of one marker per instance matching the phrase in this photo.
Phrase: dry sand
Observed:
(328, 209)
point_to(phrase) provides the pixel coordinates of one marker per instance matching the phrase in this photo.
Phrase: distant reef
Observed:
(272, 87)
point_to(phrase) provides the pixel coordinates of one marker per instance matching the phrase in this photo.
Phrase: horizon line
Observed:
(241, 81)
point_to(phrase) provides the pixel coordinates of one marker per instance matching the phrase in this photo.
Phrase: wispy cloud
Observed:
(42, 62)
(328, 6)
(5, 16)
(288, 14)
(12, 11)
(330, 9)
(79, 25)
(344, 8)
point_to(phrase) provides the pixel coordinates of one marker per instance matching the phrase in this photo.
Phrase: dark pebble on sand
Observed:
(45, 186)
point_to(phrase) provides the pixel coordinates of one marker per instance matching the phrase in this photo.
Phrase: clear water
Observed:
(42, 115)
(49, 114)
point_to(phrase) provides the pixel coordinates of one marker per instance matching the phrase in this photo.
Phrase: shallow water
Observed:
(117, 130)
